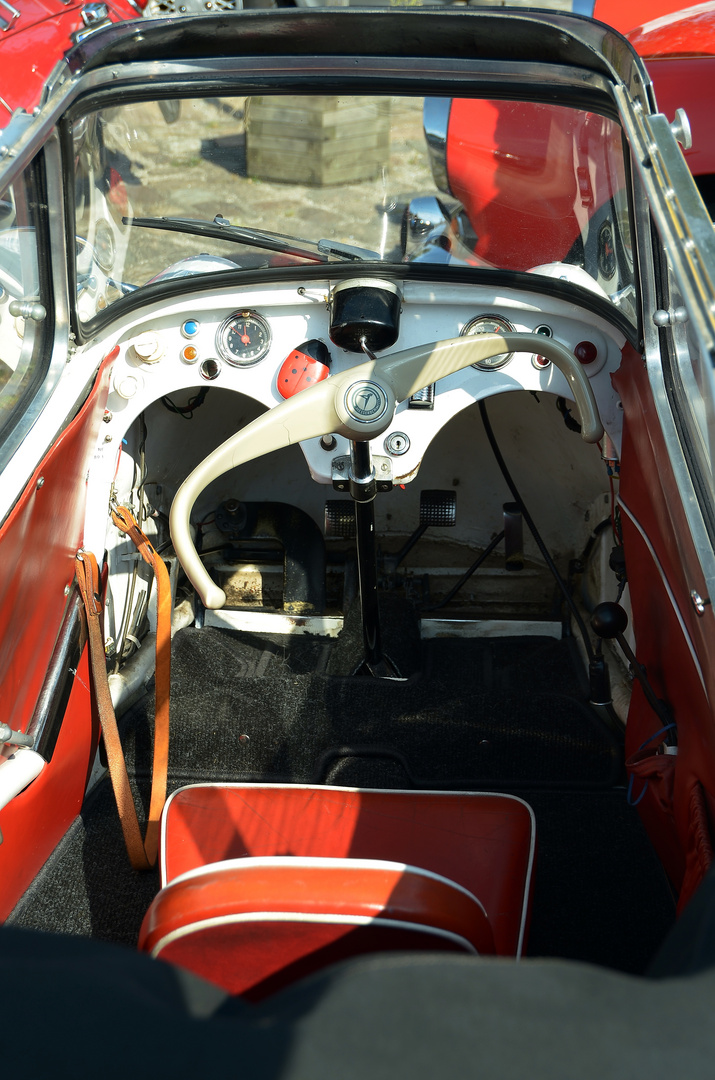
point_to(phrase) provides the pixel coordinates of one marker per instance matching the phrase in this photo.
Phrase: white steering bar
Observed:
(358, 403)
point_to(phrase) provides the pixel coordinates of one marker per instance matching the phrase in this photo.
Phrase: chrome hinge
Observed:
(94, 13)
(95, 17)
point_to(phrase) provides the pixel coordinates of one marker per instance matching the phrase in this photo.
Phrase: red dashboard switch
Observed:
(306, 365)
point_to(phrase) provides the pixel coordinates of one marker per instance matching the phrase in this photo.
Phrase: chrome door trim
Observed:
(678, 211)
(12, 448)
(654, 367)
(59, 677)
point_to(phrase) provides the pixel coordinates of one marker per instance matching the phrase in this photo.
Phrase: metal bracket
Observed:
(94, 13)
(6, 23)
(670, 318)
(14, 738)
(28, 309)
(95, 17)
(699, 602)
(340, 473)
(680, 127)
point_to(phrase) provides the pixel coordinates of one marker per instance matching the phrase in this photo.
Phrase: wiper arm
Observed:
(221, 229)
(347, 252)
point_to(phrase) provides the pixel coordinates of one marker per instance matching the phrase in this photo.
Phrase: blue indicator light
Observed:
(190, 328)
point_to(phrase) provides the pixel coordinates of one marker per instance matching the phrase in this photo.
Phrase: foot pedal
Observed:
(438, 508)
(513, 537)
(340, 518)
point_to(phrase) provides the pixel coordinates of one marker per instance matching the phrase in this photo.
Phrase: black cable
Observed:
(138, 485)
(535, 532)
(571, 423)
(186, 412)
(468, 573)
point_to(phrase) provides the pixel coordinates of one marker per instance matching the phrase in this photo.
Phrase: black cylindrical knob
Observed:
(608, 619)
(365, 311)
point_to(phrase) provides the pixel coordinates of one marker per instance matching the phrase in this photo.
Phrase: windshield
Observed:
(178, 188)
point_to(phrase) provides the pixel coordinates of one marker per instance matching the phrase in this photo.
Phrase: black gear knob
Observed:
(608, 620)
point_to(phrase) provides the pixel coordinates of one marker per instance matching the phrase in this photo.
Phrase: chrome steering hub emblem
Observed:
(366, 402)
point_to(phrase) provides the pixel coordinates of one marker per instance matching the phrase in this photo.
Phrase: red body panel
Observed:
(661, 572)
(526, 210)
(624, 16)
(680, 56)
(34, 44)
(687, 33)
(38, 543)
(688, 84)
(35, 821)
(483, 842)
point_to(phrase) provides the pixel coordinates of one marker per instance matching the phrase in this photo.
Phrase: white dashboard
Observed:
(182, 345)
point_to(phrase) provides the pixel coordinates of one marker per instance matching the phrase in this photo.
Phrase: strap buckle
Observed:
(88, 579)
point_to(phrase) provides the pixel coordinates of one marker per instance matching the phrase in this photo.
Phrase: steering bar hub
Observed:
(365, 402)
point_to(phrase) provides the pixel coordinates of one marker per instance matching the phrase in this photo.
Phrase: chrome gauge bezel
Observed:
(224, 330)
(494, 362)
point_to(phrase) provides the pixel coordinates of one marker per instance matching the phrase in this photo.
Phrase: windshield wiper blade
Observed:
(221, 229)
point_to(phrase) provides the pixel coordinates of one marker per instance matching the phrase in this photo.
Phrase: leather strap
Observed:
(142, 853)
(124, 521)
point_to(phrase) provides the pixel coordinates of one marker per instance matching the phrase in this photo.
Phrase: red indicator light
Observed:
(586, 352)
(541, 361)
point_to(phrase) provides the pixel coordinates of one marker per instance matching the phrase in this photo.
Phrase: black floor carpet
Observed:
(477, 714)
(471, 714)
(88, 886)
(600, 894)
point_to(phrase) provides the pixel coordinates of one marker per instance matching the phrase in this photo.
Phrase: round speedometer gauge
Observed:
(243, 338)
(489, 324)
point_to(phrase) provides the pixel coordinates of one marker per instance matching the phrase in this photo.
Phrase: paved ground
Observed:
(196, 167)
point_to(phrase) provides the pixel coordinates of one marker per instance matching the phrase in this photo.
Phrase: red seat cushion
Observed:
(483, 842)
(254, 925)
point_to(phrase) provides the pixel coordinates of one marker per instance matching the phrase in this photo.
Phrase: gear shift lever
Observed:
(609, 621)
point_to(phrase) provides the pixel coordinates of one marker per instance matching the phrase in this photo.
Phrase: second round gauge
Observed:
(243, 338)
(489, 324)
